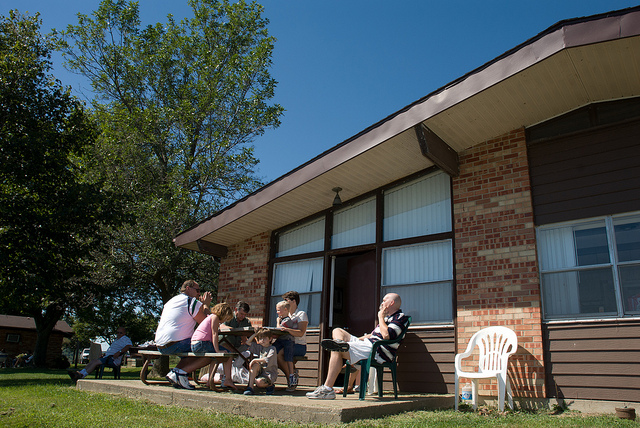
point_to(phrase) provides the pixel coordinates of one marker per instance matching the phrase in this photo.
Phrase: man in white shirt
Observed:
(112, 358)
(180, 315)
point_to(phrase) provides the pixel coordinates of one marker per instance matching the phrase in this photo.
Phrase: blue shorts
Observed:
(183, 345)
(202, 346)
(108, 361)
(299, 350)
(291, 349)
(287, 345)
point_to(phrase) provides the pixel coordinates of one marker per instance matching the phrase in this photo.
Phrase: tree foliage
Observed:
(179, 105)
(49, 212)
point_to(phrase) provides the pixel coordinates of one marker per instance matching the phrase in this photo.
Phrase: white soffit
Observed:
(569, 79)
(382, 164)
(538, 80)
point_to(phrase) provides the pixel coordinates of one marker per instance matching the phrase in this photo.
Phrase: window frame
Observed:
(379, 245)
(613, 265)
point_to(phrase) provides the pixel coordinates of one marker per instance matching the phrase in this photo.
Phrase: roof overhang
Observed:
(571, 64)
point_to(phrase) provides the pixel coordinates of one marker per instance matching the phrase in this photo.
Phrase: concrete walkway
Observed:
(284, 406)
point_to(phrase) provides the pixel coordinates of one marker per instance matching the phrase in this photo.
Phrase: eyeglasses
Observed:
(197, 290)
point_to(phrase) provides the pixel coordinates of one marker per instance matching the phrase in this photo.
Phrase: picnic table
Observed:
(215, 359)
(242, 331)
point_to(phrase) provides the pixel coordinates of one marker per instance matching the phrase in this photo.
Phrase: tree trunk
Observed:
(45, 322)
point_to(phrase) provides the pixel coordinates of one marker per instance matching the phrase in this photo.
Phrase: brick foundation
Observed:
(496, 268)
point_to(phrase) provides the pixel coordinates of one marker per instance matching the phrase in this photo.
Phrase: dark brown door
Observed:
(360, 293)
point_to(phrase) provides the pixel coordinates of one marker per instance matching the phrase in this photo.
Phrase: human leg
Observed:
(339, 340)
(191, 364)
(93, 364)
(335, 366)
(292, 382)
(355, 349)
(228, 378)
(179, 376)
(299, 350)
(282, 364)
(341, 334)
(254, 370)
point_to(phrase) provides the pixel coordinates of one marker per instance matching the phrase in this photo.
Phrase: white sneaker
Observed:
(183, 381)
(172, 377)
(322, 393)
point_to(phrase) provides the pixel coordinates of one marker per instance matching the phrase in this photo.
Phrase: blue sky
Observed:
(343, 65)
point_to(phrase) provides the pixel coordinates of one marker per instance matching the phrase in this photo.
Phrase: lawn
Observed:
(47, 398)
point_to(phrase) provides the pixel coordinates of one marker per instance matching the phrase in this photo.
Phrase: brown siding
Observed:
(308, 370)
(586, 174)
(425, 362)
(593, 361)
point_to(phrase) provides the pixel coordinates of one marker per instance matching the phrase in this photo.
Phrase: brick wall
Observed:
(28, 343)
(244, 275)
(496, 269)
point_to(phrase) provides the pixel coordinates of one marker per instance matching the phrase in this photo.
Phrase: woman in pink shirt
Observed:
(205, 338)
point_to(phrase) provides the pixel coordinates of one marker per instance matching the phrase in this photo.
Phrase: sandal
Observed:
(341, 390)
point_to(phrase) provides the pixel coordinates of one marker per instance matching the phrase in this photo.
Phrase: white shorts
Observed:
(359, 349)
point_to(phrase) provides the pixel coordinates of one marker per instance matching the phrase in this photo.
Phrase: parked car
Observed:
(84, 358)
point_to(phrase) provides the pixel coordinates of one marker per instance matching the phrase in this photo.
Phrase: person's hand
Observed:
(384, 306)
(205, 298)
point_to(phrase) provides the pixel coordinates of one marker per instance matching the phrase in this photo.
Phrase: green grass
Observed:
(47, 398)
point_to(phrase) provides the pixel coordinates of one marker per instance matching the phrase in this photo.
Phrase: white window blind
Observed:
(305, 277)
(423, 277)
(306, 238)
(355, 225)
(421, 207)
(590, 268)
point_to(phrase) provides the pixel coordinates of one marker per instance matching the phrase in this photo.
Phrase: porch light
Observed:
(337, 201)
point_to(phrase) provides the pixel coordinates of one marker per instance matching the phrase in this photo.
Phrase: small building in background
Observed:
(18, 335)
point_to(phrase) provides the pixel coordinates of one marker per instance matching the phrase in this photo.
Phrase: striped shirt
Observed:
(396, 322)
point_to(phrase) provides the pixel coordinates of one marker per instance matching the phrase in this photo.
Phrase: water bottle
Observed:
(467, 393)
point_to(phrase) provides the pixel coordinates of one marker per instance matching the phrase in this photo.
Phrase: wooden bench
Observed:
(214, 357)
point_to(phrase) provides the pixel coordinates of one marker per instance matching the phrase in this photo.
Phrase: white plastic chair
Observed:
(495, 345)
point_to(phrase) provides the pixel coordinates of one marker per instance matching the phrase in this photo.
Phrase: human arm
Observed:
(383, 327)
(251, 337)
(205, 309)
(121, 352)
(267, 357)
(300, 331)
(299, 318)
(215, 325)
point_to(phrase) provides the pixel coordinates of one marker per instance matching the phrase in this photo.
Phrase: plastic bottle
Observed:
(467, 394)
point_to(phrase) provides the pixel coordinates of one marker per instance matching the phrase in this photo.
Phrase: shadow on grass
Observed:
(10, 377)
(33, 376)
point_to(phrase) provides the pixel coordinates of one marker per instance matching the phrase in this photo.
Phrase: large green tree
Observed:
(179, 105)
(50, 214)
